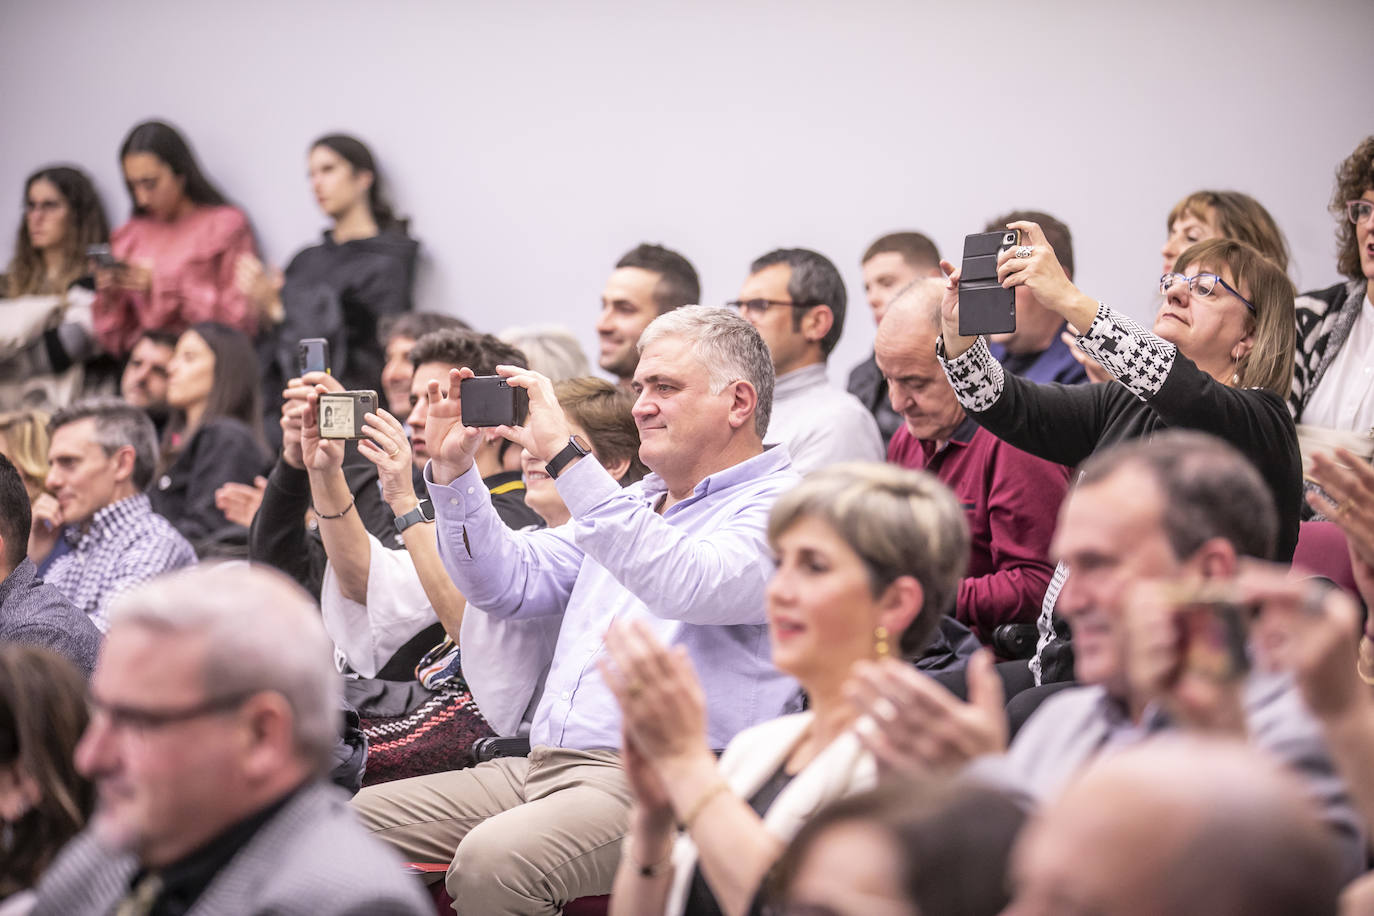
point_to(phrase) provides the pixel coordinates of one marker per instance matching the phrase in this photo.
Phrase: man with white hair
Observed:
(684, 551)
(214, 711)
(1178, 826)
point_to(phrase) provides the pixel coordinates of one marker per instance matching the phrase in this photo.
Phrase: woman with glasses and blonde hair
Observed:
(1333, 390)
(869, 557)
(1219, 359)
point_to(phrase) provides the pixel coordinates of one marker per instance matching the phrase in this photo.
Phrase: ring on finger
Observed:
(1024, 251)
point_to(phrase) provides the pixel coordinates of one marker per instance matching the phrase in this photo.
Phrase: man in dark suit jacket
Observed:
(214, 709)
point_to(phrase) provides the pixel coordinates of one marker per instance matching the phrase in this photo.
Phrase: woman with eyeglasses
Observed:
(172, 264)
(1219, 359)
(45, 313)
(1333, 388)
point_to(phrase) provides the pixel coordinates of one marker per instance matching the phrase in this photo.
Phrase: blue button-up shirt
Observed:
(695, 574)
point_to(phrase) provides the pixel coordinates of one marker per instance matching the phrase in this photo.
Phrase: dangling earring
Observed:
(880, 642)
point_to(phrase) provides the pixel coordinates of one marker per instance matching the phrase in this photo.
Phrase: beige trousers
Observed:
(530, 834)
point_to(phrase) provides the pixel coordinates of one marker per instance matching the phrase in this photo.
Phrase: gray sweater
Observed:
(33, 612)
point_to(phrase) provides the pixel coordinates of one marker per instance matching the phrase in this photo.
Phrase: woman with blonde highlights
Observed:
(868, 558)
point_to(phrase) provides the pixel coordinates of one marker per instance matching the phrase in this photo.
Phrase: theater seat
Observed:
(443, 903)
(1322, 551)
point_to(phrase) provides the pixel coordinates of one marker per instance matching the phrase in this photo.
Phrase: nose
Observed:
(779, 591)
(603, 323)
(898, 397)
(419, 413)
(53, 481)
(96, 749)
(644, 405)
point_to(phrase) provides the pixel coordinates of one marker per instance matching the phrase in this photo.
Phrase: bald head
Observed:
(1179, 825)
(912, 318)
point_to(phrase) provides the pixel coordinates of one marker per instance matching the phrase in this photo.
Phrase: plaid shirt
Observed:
(125, 543)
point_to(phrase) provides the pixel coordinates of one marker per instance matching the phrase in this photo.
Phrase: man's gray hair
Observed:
(728, 346)
(117, 424)
(263, 633)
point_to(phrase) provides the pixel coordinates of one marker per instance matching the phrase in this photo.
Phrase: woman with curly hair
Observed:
(1333, 390)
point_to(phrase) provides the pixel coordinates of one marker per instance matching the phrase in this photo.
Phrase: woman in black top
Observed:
(213, 436)
(361, 271)
(1219, 360)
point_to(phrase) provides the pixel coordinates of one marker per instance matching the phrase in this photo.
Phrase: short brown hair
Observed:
(1237, 216)
(603, 410)
(900, 523)
(1269, 364)
(1353, 178)
(916, 249)
(1056, 233)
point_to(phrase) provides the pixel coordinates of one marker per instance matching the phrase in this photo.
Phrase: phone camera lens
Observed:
(1010, 238)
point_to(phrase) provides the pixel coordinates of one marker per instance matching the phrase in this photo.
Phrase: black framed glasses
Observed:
(759, 306)
(133, 719)
(1357, 211)
(1202, 285)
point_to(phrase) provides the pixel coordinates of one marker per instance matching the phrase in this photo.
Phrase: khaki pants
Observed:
(530, 834)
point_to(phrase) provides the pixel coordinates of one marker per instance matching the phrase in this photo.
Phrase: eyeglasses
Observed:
(1202, 286)
(132, 719)
(757, 307)
(43, 206)
(1357, 211)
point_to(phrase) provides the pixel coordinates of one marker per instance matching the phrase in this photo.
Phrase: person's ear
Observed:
(617, 468)
(124, 460)
(817, 322)
(744, 403)
(1215, 559)
(1242, 347)
(366, 178)
(900, 604)
(267, 737)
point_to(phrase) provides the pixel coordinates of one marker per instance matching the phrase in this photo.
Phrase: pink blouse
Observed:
(192, 264)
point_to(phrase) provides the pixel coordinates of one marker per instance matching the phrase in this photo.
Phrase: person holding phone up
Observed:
(1219, 358)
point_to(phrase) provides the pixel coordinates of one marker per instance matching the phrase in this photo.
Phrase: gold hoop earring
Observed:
(880, 642)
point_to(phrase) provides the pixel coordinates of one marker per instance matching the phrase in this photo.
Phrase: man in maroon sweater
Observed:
(1010, 498)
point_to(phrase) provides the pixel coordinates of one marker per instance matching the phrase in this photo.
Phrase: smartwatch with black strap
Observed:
(576, 448)
(424, 512)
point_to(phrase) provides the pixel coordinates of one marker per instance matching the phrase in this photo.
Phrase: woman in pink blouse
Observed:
(177, 254)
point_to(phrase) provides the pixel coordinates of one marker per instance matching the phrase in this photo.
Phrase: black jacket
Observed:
(222, 450)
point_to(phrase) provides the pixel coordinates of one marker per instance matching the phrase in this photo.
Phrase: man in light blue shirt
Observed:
(684, 550)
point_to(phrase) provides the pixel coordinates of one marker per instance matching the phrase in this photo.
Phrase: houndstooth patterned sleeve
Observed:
(1139, 360)
(975, 374)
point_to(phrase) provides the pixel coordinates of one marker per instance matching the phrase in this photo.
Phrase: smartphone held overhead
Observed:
(985, 307)
(342, 413)
(312, 355)
(487, 400)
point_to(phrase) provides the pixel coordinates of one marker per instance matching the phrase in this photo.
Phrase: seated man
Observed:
(648, 281)
(1009, 497)
(102, 455)
(1179, 826)
(1148, 525)
(1036, 349)
(144, 382)
(796, 300)
(214, 711)
(31, 611)
(279, 535)
(683, 551)
(890, 265)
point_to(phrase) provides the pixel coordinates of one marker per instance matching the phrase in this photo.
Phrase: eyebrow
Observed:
(657, 377)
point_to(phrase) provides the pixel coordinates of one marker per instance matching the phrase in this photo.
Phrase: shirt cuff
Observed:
(585, 485)
(452, 499)
(1137, 358)
(975, 374)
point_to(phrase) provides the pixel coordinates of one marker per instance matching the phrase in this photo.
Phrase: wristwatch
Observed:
(576, 448)
(424, 512)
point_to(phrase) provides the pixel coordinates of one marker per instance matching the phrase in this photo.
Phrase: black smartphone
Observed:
(102, 257)
(341, 413)
(312, 355)
(984, 306)
(488, 401)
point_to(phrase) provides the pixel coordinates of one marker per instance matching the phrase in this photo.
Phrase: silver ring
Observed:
(1024, 251)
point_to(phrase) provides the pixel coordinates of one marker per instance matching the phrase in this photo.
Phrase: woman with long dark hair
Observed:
(214, 435)
(45, 314)
(44, 802)
(360, 272)
(174, 260)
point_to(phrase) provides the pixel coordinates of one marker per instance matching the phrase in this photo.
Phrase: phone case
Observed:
(984, 306)
(488, 401)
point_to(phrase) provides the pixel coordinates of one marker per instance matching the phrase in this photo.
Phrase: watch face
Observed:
(581, 444)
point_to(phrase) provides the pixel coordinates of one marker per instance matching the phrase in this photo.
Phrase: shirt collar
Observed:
(800, 380)
(504, 482)
(109, 518)
(772, 459)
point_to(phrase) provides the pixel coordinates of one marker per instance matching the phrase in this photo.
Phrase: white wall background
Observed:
(533, 142)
